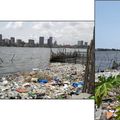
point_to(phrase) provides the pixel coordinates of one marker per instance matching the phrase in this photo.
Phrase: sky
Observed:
(107, 24)
(62, 32)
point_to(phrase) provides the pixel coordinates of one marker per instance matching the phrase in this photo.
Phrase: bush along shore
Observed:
(107, 95)
(57, 81)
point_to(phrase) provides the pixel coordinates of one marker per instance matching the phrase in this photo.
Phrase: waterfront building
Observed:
(2, 42)
(12, 41)
(41, 41)
(80, 43)
(31, 43)
(6, 40)
(49, 43)
(86, 44)
(19, 43)
(0, 39)
(55, 44)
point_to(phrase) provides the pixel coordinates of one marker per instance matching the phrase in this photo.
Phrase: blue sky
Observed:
(107, 24)
(63, 32)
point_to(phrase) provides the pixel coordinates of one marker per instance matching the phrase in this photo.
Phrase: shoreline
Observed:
(58, 81)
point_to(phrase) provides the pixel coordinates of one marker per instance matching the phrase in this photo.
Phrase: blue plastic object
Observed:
(81, 82)
(43, 81)
(77, 84)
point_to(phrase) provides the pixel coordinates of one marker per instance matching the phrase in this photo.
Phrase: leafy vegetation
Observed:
(103, 86)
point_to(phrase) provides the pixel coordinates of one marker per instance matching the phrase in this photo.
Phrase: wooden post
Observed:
(89, 82)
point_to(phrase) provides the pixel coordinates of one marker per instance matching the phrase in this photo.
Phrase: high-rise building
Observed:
(55, 43)
(31, 43)
(80, 43)
(6, 40)
(41, 41)
(0, 39)
(3, 42)
(19, 42)
(50, 41)
(86, 44)
(12, 40)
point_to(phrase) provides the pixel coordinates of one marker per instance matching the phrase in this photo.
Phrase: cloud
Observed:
(14, 25)
(62, 32)
(66, 32)
(8, 25)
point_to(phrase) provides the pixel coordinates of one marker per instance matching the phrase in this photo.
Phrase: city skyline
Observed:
(62, 32)
(12, 41)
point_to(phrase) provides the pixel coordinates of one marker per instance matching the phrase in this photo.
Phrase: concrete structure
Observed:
(86, 44)
(55, 44)
(49, 43)
(31, 43)
(2, 42)
(80, 43)
(6, 40)
(0, 39)
(19, 42)
(41, 41)
(12, 40)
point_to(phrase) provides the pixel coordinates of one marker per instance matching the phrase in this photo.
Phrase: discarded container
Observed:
(57, 80)
(43, 81)
(3, 78)
(77, 84)
(34, 79)
(26, 85)
(22, 90)
(5, 82)
(78, 91)
(35, 69)
(81, 82)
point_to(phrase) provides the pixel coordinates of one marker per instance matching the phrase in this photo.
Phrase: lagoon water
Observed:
(104, 59)
(16, 59)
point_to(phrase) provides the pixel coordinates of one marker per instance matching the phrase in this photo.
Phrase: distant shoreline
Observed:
(106, 49)
(43, 47)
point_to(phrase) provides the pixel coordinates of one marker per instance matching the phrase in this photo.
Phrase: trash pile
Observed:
(107, 110)
(56, 81)
(106, 73)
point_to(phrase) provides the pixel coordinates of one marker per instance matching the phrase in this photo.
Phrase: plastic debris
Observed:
(58, 81)
(21, 90)
(77, 84)
(43, 81)
(35, 69)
